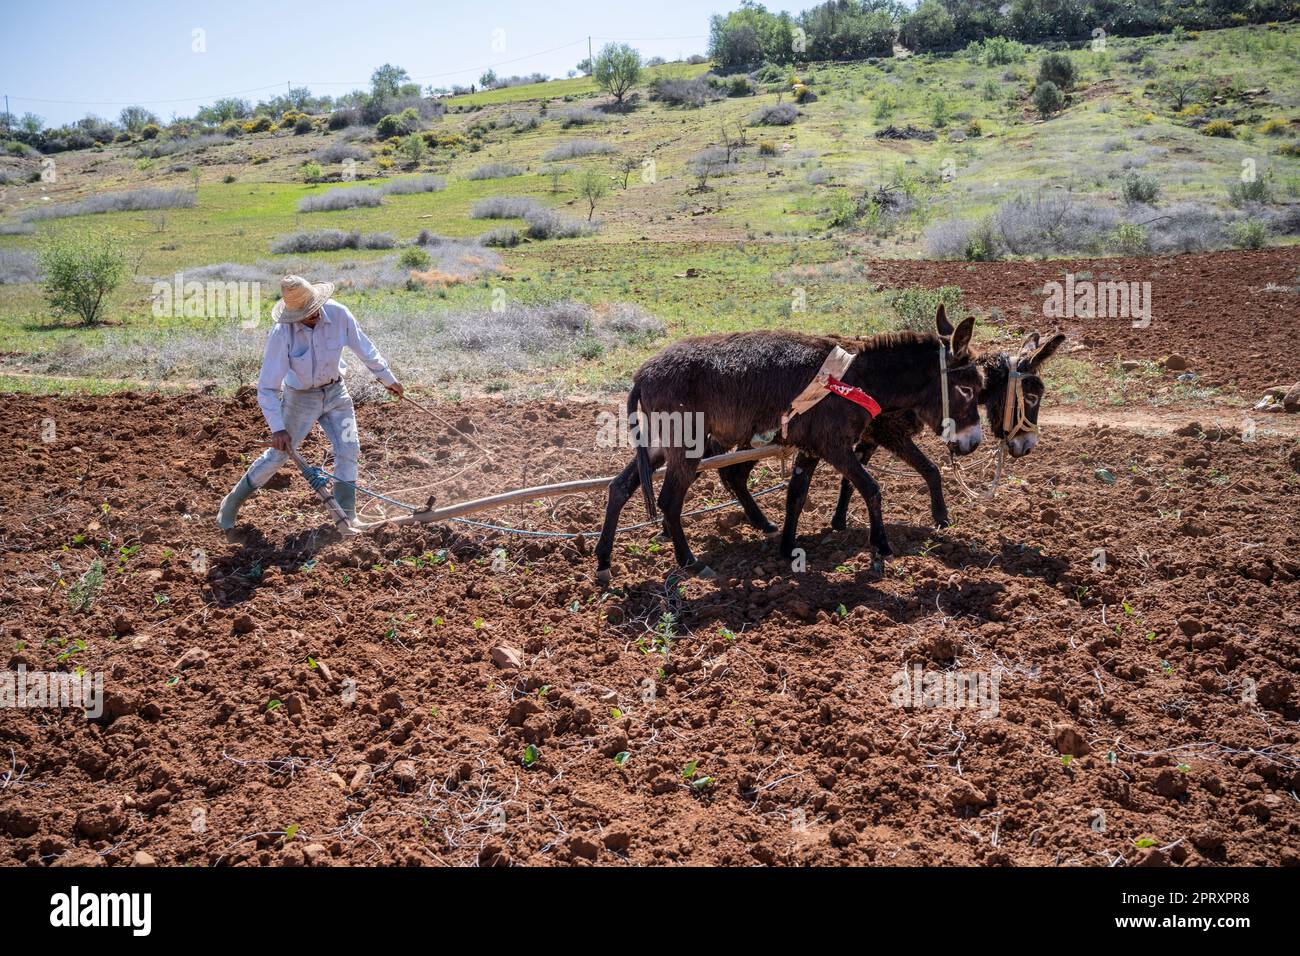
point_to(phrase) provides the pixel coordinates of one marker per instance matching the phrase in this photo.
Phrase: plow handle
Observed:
(336, 512)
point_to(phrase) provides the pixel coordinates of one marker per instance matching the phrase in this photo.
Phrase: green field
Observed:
(725, 257)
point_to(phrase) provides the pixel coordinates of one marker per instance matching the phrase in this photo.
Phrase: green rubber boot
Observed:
(230, 504)
(345, 493)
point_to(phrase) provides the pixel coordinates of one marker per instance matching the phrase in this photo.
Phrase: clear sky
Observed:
(62, 59)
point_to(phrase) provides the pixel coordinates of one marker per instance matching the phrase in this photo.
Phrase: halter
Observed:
(1014, 403)
(943, 388)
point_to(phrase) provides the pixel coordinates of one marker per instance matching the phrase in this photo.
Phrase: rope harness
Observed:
(1014, 404)
(1014, 423)
(827, 380)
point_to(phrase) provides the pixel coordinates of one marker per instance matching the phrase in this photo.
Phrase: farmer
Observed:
(304, 357)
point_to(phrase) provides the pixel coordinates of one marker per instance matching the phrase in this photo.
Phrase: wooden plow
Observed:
(474, 506)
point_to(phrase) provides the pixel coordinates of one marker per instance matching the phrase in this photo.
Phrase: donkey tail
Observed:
(645, 471)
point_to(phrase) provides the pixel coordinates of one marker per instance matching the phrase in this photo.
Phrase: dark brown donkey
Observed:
(895, 431)
(736, 386)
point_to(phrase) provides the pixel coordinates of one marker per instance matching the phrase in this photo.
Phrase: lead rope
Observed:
(943, 391)
(1015, 398)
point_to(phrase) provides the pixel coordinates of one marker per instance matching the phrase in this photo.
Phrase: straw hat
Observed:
(300, 298)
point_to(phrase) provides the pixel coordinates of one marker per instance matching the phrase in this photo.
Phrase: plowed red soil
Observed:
(1147, 710)
(1232, 315)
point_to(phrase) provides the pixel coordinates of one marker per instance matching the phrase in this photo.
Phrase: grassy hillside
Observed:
(794, 214)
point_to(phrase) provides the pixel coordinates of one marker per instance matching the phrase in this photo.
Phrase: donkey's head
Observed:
(960, 378)
(1013, 393)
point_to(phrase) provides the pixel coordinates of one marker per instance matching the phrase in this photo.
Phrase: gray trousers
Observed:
(302, 409)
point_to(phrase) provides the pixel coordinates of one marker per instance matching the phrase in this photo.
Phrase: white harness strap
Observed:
(836, 364)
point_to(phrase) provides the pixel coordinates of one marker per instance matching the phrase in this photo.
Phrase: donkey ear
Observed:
(1044, 353)
(941, 323)
(961, 338)
(1028, 346)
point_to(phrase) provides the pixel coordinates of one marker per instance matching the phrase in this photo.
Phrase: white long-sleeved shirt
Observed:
(300, 357)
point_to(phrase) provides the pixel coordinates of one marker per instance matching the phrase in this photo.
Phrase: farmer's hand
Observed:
(280, 442)
(396, 389)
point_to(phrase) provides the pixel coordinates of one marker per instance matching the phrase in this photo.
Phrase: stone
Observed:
(1070, 742)
(507, 657)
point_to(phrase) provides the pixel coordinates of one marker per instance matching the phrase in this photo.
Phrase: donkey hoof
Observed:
(839, 524)
(603, 576)
(942, 521)
(878, 563)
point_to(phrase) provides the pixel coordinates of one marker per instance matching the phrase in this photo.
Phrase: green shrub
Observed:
(81, 269)
(387, 126)
(414, 149)
(617, 69)
(301, 125)
(1259, 189)
(414, 258)
(1057, 68)
(1137, 189)
(1249, 234)
(996, 51)
(739, 85)
(939, 111)
(150, 131)
(311, 171)
(982, 243)
(915, 308)
(1048, 99)
(1219, 127)
(1131, 239)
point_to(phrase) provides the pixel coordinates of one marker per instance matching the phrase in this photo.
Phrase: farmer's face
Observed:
(312, 319)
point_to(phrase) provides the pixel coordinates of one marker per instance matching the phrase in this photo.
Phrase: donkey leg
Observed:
(844, 461)
(736, 477)
(676, 483)
(908, 451)
(621, 490)
(796, 494)
(840, 521)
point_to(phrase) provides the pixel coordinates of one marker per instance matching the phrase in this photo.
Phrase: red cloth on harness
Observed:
(853, 394)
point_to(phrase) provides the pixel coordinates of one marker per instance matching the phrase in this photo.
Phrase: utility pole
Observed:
(591, 62)
(7, 113)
